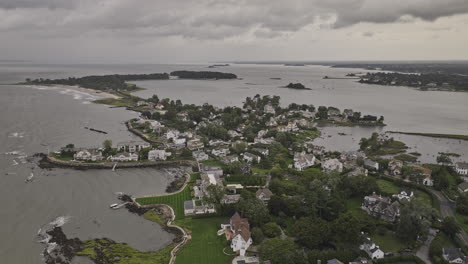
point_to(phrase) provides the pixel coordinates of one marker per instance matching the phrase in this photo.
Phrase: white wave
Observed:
(16, 135)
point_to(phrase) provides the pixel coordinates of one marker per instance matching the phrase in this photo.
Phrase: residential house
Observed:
(351, 155)
(233, 134)
(124, 156)
(264, 141)
(395, 167)
(303, 123)
(179, 142)
(158, 154)
(303, 161)
(454, 255)
(216, 170)
(262, 151)
(132, 146)
(332, 165)
(334, 261)
(216, 143)
(229, 159)
(231, 198)
(314, 149)
(88, 155)
(424, 173)
(371, 249)
(159, 106)
(348, 113)
(246, 168)
(381, 207)
(195, 144)
(463, 187)
(191, 208)
(238, 231)
(141, 103)
(220, 152)
(200, 155)
(358, 171)
(264, 195)
(269, 109)
(371, 164)
(262, 133)
(290, 127)
(271, 123)
(172, 133)
(249, 157)
(404, 195)
(461, 168)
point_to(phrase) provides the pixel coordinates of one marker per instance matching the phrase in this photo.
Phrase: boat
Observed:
(30, 178)
(114, 206)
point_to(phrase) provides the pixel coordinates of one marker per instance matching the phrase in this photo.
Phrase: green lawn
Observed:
(388, 242)
(388, 186)
(176, 201)
(213, 163)
(462, 221)
(260, 171)
(206, 246)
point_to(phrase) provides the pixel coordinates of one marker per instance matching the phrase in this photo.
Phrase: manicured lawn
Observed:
(260, 171)
(213, 163)
(176, 201)
(462, 221)
(388, 242)
(388, 186)
(206, 246)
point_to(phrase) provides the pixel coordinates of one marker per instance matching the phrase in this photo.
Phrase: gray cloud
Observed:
(211, 19)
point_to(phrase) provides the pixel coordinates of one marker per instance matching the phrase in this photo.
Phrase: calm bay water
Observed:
(35, 120)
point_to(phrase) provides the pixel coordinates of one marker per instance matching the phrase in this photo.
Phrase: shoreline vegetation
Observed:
(423, 81)
(434, 135)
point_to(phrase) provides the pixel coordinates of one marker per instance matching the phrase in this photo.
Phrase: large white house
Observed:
(461, 168)
(238, 231)
(88, 155)
(124, 156)
(372, 249)
(158, 154)
(332, 165)
(303, 161)
(132, 146)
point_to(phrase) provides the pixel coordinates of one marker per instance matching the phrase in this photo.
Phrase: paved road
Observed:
(423, 251)
(447, 208)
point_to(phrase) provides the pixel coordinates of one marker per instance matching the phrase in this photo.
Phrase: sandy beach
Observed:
(87, 90)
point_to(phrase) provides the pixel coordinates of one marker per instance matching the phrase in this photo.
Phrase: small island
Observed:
(297, 86)
(203, 75)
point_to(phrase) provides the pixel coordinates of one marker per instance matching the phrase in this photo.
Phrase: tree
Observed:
(450, 227)
(346, 229)
(271, 229)
(254, 210)
(257, 235)
(215, 195)
(462, 204)
(107, 145)
(444, 159)
(322, 112)
(414, 220)
(278, 251)
(310, 232)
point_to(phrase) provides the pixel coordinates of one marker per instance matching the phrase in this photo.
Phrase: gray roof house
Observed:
(454, 255)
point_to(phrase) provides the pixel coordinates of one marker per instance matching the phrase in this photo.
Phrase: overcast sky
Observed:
(162, 31)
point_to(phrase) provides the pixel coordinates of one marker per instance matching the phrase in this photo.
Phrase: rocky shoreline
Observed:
(51, 162)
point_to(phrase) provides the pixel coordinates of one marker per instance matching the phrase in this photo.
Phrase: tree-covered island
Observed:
(298, 86)
(203, 75)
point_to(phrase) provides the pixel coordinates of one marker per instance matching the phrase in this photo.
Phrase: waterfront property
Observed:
(381, 207)
(89, 155)
(461, 168)
(238, 231)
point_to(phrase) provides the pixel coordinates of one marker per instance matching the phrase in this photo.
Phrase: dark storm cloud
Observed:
(211, 19)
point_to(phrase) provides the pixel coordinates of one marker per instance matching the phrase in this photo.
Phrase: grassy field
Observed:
(388, 242)
(120, 253)
(462, 221)
(213, 163)
(388, 187)
(176, 201)
(206, 246)
(406, 158)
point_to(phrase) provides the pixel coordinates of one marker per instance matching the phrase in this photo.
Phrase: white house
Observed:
(249, 157)
(264, 195)
(191, 208)
(303, 161)
(372, 249)
(428, 181)
(269, 109)
(220, 152)
(262, 151)
(371, 164)
(238, 231)
(124, 156)
(132, 146)
(158, 154)
(461, 168)
(404, 195)
(332, 165)
(195, 144)
(88, 155)
(454, 255)
(200, 155)
(229, 159)
(172, 134)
